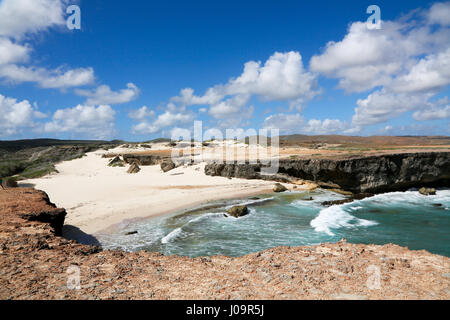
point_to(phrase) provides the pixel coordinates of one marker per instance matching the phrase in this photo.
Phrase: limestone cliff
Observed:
(391, 172)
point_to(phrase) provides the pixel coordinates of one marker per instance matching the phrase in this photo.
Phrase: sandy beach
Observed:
(98, 197)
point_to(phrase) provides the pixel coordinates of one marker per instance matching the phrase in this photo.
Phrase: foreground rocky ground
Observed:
(34, 264)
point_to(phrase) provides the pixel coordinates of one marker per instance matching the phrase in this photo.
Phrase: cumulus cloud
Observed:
(281, 78)
(11, 52)
(286, 123)
(50, 79)
(164, 120)
(104, 95)
(406, 64)
(327, 126)
(16, 116)
(433, 113)
(21, 17)
(91, 121)
(440, 14)
(141, 113)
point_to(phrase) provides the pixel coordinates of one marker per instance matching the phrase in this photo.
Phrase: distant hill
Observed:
(35, 143)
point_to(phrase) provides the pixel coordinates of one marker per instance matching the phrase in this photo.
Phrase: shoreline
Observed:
(35, 263)
(100, 198)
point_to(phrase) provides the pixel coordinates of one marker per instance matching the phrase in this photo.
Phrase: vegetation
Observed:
(28, 159)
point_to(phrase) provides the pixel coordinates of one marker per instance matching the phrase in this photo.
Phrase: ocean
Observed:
(407, 218)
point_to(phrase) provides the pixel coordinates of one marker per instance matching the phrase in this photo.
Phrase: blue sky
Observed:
(121, 75)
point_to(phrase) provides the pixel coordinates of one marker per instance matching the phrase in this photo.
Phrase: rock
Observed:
(131, 233)
(438, 205)
(167, 165)
(55, 217)
(279, 188)
(375, 174)
(116, 162)
(134, 168)
(427, 191)
(10, 182)
(238, 211)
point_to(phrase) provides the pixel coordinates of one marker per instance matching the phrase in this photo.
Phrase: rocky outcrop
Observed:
(35, 264)
(427, 191)
(238, 211)
(134, 168)
(116, 162)
(144, 159)
(373, 174)
(279, 188)
(168, 165)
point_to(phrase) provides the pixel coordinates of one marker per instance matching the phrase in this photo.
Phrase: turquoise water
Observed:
(291, 219)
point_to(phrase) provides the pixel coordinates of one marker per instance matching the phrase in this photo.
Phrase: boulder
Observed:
(116, 162)
(279, 188)
(427, 191)
(238, 211)
(134, 168)
(167, 165)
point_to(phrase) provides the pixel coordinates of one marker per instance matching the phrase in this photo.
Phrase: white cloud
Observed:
(104, 95)
(281, 78)
(97, 122)
(327, 126)
(430, 74)
(286, 123)
(440, 14)
(54, 79)
(164, 120)
(433, 114)
(141, 113)
(20, 17)
(365, 58)
(382, 106)
(11, 52)
(16, 115)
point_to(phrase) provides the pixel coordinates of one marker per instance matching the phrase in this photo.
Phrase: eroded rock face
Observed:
(34, 264)
(116, 162)
(167, 165)
(374, 174)
(134, 168)
(144, 160)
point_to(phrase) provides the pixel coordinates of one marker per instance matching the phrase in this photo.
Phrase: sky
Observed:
(139, 70)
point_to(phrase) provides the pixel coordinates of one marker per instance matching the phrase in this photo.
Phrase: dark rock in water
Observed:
(438, 205)
(358, 196)
(238, 211)
(279, 188)
(116, 162)
(336, 202)
(167, 165)
(308, 199)
(254, 198)
(131, 233)
(427, 191)
(134, 168)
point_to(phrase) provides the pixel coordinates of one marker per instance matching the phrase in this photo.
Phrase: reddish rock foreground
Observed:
(34, 263)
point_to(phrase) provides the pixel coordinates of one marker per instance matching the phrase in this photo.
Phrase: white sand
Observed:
(98, 197)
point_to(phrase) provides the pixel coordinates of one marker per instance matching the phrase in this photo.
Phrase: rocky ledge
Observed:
(35, 263)
(375, 174)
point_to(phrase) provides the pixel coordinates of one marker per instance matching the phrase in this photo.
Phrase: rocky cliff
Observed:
(392, 172)
(37, 264)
